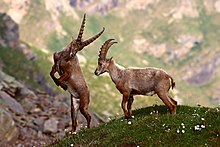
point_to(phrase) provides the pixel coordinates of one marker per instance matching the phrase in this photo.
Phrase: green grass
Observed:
(153, 126)
(16, 64)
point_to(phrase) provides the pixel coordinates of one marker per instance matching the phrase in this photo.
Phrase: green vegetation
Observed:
(16, 64)
(153, 126)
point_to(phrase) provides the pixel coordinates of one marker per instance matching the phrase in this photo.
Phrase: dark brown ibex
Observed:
(131, 82)
(71, 77)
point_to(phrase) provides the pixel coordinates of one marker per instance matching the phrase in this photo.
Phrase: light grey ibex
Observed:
(71, 77)
(139, 81)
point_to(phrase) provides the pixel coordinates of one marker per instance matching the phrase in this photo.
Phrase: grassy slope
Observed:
(153, 126)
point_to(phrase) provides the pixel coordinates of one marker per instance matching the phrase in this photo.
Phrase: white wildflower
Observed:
(74, 133)
(182, 124)
(197, 128)
(178, 131)
(203, 126)
(168, 130)
(132, 116)
(202, 118)
(129, 122)
(183, 127)
(71, 144)
(183, 131)
(163, 125)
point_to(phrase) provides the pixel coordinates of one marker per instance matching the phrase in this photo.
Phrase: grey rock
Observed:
(9, 132)
(50, 125)
(9, 37)
(39, 122)
(6, 78)
(12, 103)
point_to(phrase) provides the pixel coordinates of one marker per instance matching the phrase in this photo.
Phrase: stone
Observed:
(10, 34)
(6, 78)
(11, 103)
(50, 125)
(9, 132)
(39, 122)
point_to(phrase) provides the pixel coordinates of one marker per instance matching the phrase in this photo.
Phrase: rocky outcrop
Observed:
(9, 36)
(102, 7)
(141, 45)
(9, 32)
(9, 131)
(33, 118)
(204, 71)
(17, 9)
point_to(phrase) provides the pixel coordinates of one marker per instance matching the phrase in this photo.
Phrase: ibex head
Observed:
(78, 44)
(103, 62)
(75, 45)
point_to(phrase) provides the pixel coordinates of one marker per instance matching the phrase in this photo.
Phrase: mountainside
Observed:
(179, 36)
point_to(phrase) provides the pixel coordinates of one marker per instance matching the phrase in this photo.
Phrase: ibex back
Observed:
(140, 81)
(71, 77)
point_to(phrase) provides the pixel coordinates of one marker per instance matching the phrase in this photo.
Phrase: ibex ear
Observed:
(110, 59)
(55, 57)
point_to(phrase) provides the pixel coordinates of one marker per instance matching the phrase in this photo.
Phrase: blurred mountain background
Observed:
(180, 36)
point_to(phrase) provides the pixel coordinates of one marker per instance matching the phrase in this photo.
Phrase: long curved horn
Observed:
(79, 38)
(90, 40)
(104, 49)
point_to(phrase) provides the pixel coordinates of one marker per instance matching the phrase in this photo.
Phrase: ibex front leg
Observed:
(123, 105)
(130, 102)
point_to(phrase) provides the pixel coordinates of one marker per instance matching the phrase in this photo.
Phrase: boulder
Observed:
(12, 103)
(9, 37)
(9, 132)
(50, 125)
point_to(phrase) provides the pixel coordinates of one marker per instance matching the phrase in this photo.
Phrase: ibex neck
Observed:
(115, 72)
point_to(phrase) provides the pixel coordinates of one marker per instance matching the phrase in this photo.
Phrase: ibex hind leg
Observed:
(83, 107)
(173, 101)
(74, 110)
(167, 101)
(86, 114)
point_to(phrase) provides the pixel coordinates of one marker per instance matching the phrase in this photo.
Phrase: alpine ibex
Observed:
(139, 81)
(71, 77)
